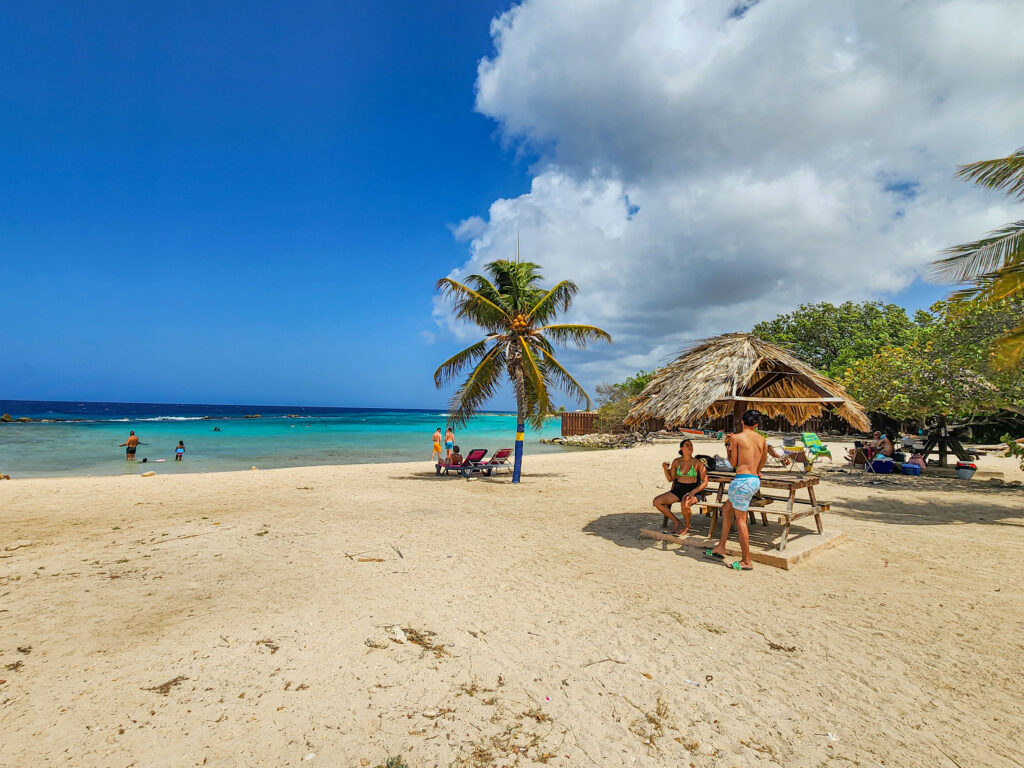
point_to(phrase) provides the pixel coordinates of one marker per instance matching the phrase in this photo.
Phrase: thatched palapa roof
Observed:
(727, 374)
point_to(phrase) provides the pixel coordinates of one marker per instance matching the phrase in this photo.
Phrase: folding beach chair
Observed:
(813, 445)
(473, 458)
(796, 455)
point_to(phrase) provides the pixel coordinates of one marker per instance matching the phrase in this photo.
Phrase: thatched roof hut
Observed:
(736, 371)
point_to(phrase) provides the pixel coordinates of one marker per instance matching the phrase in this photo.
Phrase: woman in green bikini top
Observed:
(689, 477)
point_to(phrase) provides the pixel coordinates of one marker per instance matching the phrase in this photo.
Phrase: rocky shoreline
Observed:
(603, 440)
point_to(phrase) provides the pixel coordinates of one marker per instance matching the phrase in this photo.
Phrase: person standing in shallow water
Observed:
(436, 455)
(179, 452)
(130, 446)
(748, 451)
(449, 443)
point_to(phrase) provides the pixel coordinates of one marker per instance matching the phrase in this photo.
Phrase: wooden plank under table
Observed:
(789, 484)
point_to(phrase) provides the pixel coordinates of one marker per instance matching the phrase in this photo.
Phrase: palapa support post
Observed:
(739, 407)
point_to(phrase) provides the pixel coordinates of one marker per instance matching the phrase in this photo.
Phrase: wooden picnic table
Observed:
(790, 485)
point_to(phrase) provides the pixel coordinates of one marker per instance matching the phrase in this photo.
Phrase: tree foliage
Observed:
(947, 366)
(831, 338)
(1014, 449)
(615, 400)
(992, 266)
(518, 315)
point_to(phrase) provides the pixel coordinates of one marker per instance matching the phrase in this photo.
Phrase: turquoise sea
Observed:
(86, 441)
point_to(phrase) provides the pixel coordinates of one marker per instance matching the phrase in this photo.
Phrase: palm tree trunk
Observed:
(517, 467)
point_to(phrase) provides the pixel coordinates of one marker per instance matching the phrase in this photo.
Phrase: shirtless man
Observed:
(130, 445)
(748, 452)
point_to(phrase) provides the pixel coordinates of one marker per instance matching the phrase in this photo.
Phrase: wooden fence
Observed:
(579, 423)
(585, 423)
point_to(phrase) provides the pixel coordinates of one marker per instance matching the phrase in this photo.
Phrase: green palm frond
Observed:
(489, 291)
(540, 404)
(1000, 248)
(516, 282)
(556, 373)
(1009, 349)
(579, 335)
(1005, 283)
(455, 364)
(1006, 173)
(473, 306)
(554, 301)
(479, 387)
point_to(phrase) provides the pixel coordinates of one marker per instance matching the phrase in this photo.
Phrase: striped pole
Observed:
(517, 468)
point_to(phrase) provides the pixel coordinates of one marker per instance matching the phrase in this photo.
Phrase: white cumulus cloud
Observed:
(705, 164)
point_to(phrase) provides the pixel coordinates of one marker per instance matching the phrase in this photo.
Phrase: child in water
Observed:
(179, 452)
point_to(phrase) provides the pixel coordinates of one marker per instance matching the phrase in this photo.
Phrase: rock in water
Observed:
(149, 474)
(6, 418)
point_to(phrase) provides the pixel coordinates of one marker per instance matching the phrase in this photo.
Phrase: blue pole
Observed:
(517, 468)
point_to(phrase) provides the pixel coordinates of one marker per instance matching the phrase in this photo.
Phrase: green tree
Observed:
(831, 338)
(948, 367)
(615, 400)
(516, 313)
(992, 267)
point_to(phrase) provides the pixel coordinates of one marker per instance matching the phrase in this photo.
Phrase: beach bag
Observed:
(718, 464)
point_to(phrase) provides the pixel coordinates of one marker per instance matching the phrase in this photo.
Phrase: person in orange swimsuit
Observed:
(435, 457)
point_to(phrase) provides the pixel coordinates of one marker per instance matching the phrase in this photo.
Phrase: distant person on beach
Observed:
(449, 443)
(130, 445)
(436, 455)
(455, 458)
(747, 453)
(179, 452)
(689, 477)
(216, 429)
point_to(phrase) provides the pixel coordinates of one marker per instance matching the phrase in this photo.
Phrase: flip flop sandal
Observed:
(714, 555)
(737, 567)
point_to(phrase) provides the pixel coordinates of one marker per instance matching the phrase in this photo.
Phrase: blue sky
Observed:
(251, 202)
(236, 202)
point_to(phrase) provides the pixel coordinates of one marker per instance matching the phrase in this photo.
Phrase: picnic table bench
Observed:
(790, 484)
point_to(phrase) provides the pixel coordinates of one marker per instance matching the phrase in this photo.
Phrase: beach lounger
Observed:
(499, 461)
(813, 445)
(472, 458)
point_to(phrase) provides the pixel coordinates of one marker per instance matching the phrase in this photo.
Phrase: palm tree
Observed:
(992, 267)
(516, 313)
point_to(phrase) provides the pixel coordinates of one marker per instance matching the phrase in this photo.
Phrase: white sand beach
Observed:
(241, 619)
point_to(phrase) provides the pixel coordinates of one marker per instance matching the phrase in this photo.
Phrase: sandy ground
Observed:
(241, 619)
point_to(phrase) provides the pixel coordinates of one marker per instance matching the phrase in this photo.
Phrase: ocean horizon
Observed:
(68, 438)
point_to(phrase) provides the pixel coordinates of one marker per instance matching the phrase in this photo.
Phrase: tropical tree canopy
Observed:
(831, 338)
(993, 266)
(948, 367)
(518, 315)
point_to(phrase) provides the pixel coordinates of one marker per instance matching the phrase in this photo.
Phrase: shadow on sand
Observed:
(903, 508)
(505, 478)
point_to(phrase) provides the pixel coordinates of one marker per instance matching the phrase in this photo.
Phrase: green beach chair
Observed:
(814, 446)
